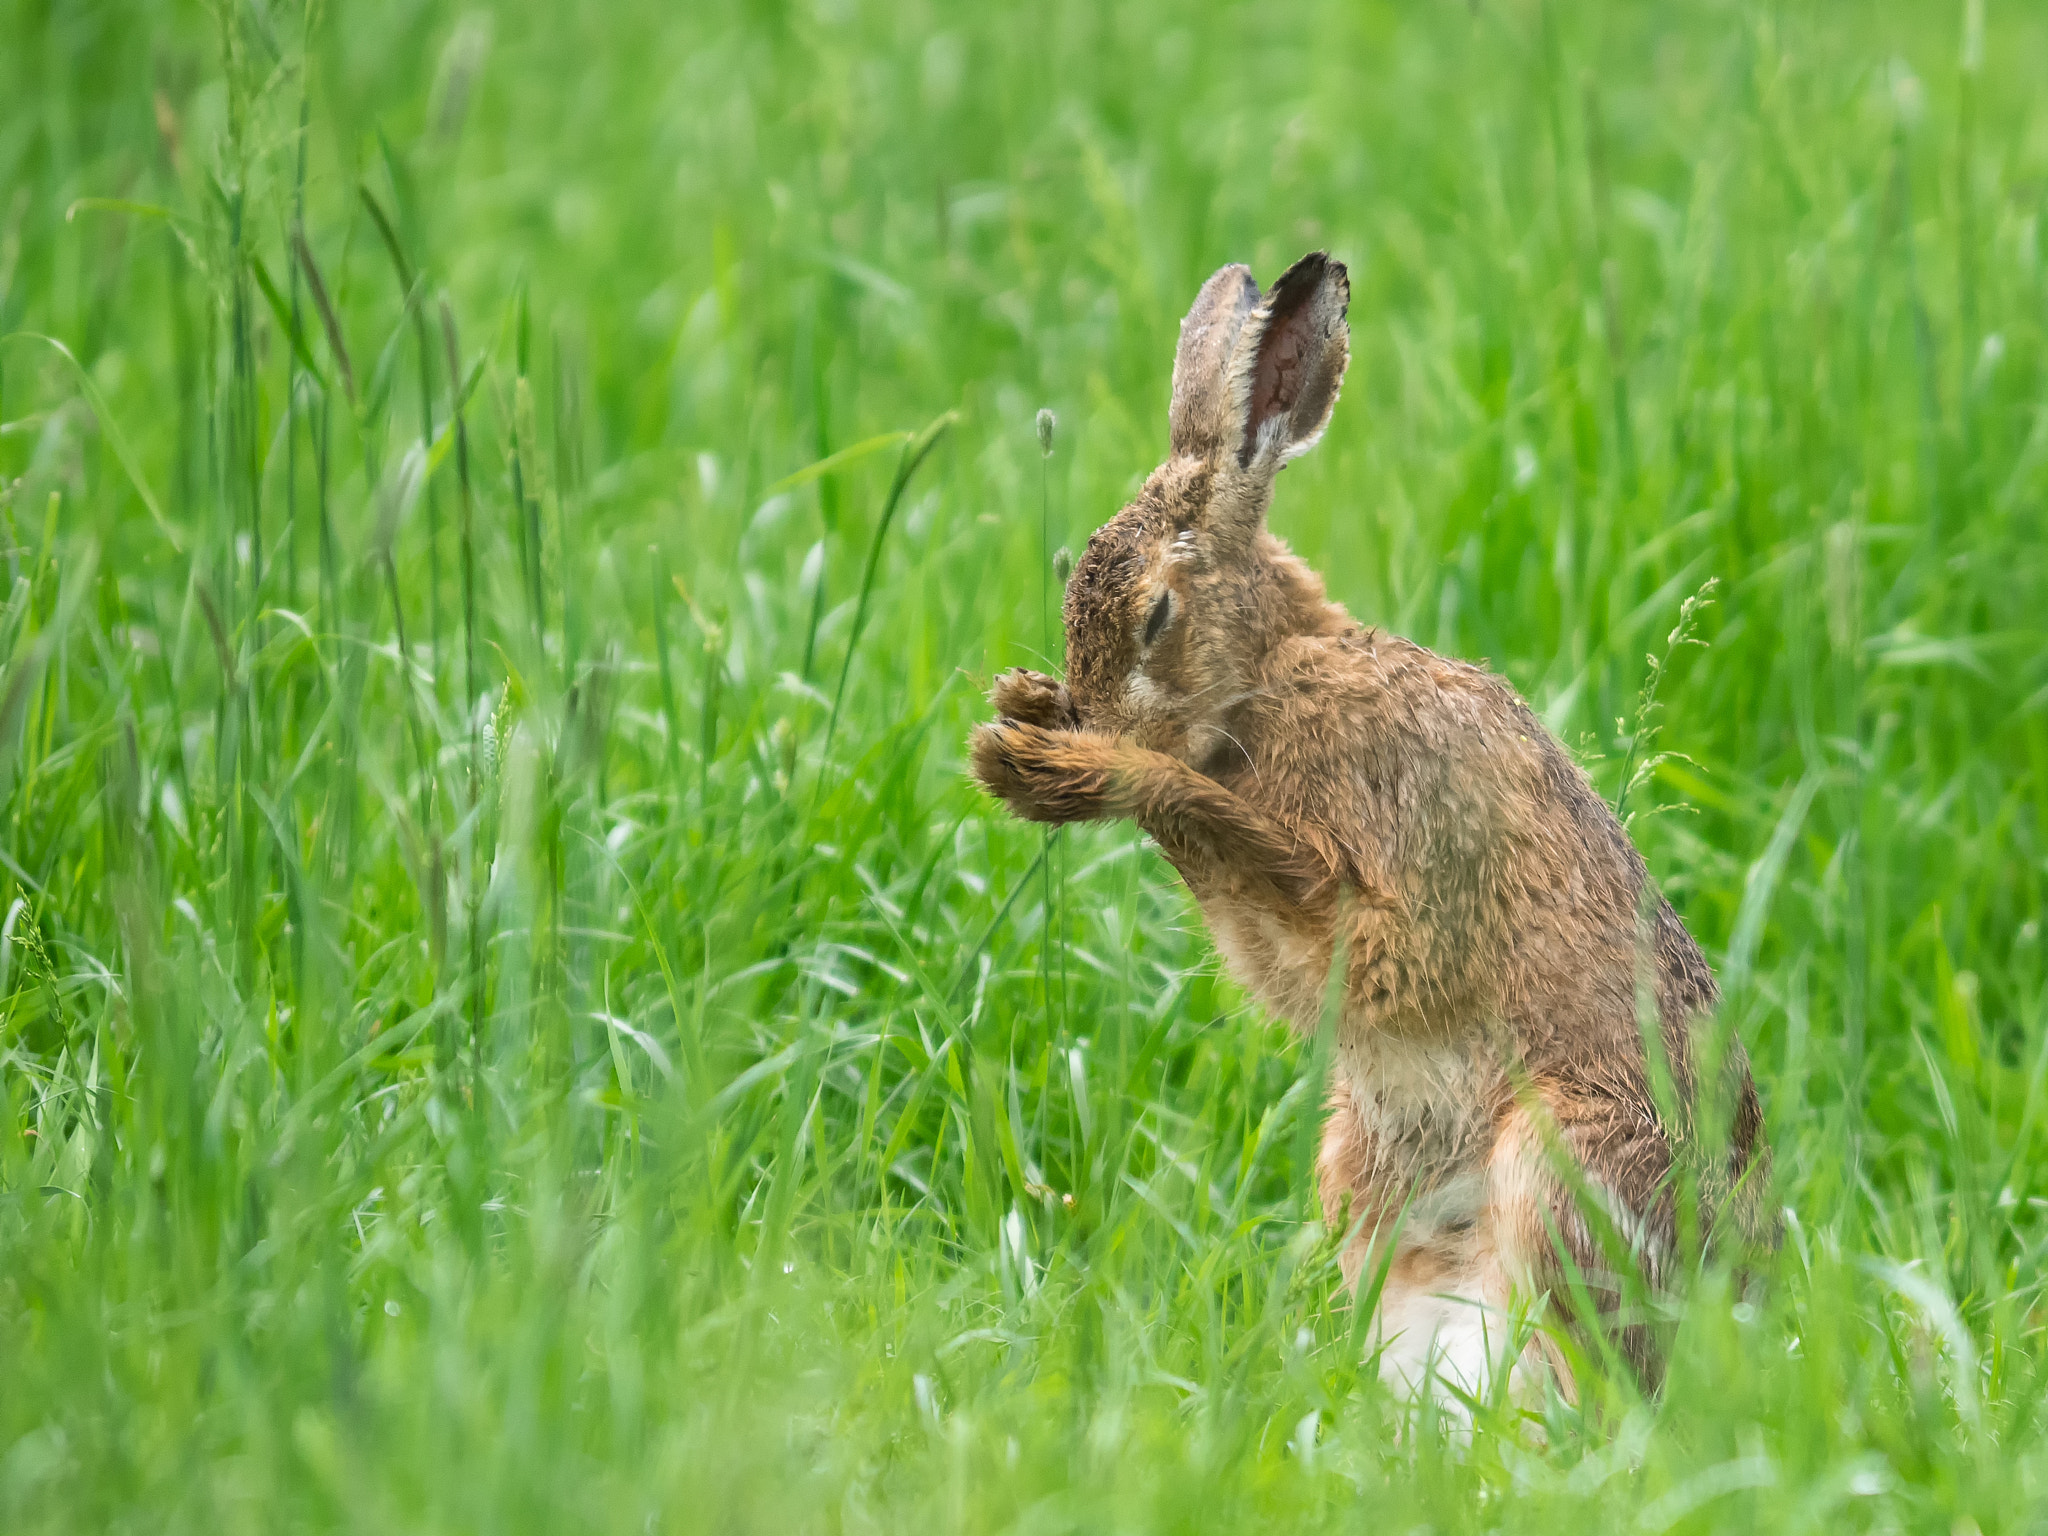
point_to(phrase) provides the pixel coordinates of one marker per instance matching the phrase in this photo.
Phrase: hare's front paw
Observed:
(1044, 775)
(1034, 698)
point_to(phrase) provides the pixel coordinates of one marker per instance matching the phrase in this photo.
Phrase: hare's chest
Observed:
(1281, 964)
(1424, 1098)
(1426, 1104)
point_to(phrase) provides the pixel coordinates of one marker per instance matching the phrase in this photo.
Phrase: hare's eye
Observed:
(1161, 612)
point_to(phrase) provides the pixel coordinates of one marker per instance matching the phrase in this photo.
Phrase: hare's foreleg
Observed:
(1061, 776)
(1036, 699)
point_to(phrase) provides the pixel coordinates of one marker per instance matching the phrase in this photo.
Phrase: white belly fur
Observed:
(1455, 1340)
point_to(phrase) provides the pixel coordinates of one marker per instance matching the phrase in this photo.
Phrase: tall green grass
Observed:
(509, 1016)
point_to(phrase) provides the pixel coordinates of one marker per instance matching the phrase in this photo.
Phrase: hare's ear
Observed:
(1200, 418)
(1288, 365)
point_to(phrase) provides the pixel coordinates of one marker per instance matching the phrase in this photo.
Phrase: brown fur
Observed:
(1315, 780)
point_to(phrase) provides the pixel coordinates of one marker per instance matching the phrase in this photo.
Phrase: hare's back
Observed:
(1457, 795)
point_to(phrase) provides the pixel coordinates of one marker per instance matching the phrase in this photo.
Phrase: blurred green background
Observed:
(509, 1015)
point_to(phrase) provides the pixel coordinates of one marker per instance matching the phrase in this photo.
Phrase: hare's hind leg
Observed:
(1550, 1161)
(1445, 1323)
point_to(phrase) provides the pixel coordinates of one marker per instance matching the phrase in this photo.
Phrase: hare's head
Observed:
(1179, 594)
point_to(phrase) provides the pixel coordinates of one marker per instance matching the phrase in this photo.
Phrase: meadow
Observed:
(511, 1017)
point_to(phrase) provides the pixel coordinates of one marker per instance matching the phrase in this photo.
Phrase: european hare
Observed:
(1310, 776)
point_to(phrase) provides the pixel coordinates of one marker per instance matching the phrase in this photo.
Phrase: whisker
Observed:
(1249, 759)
